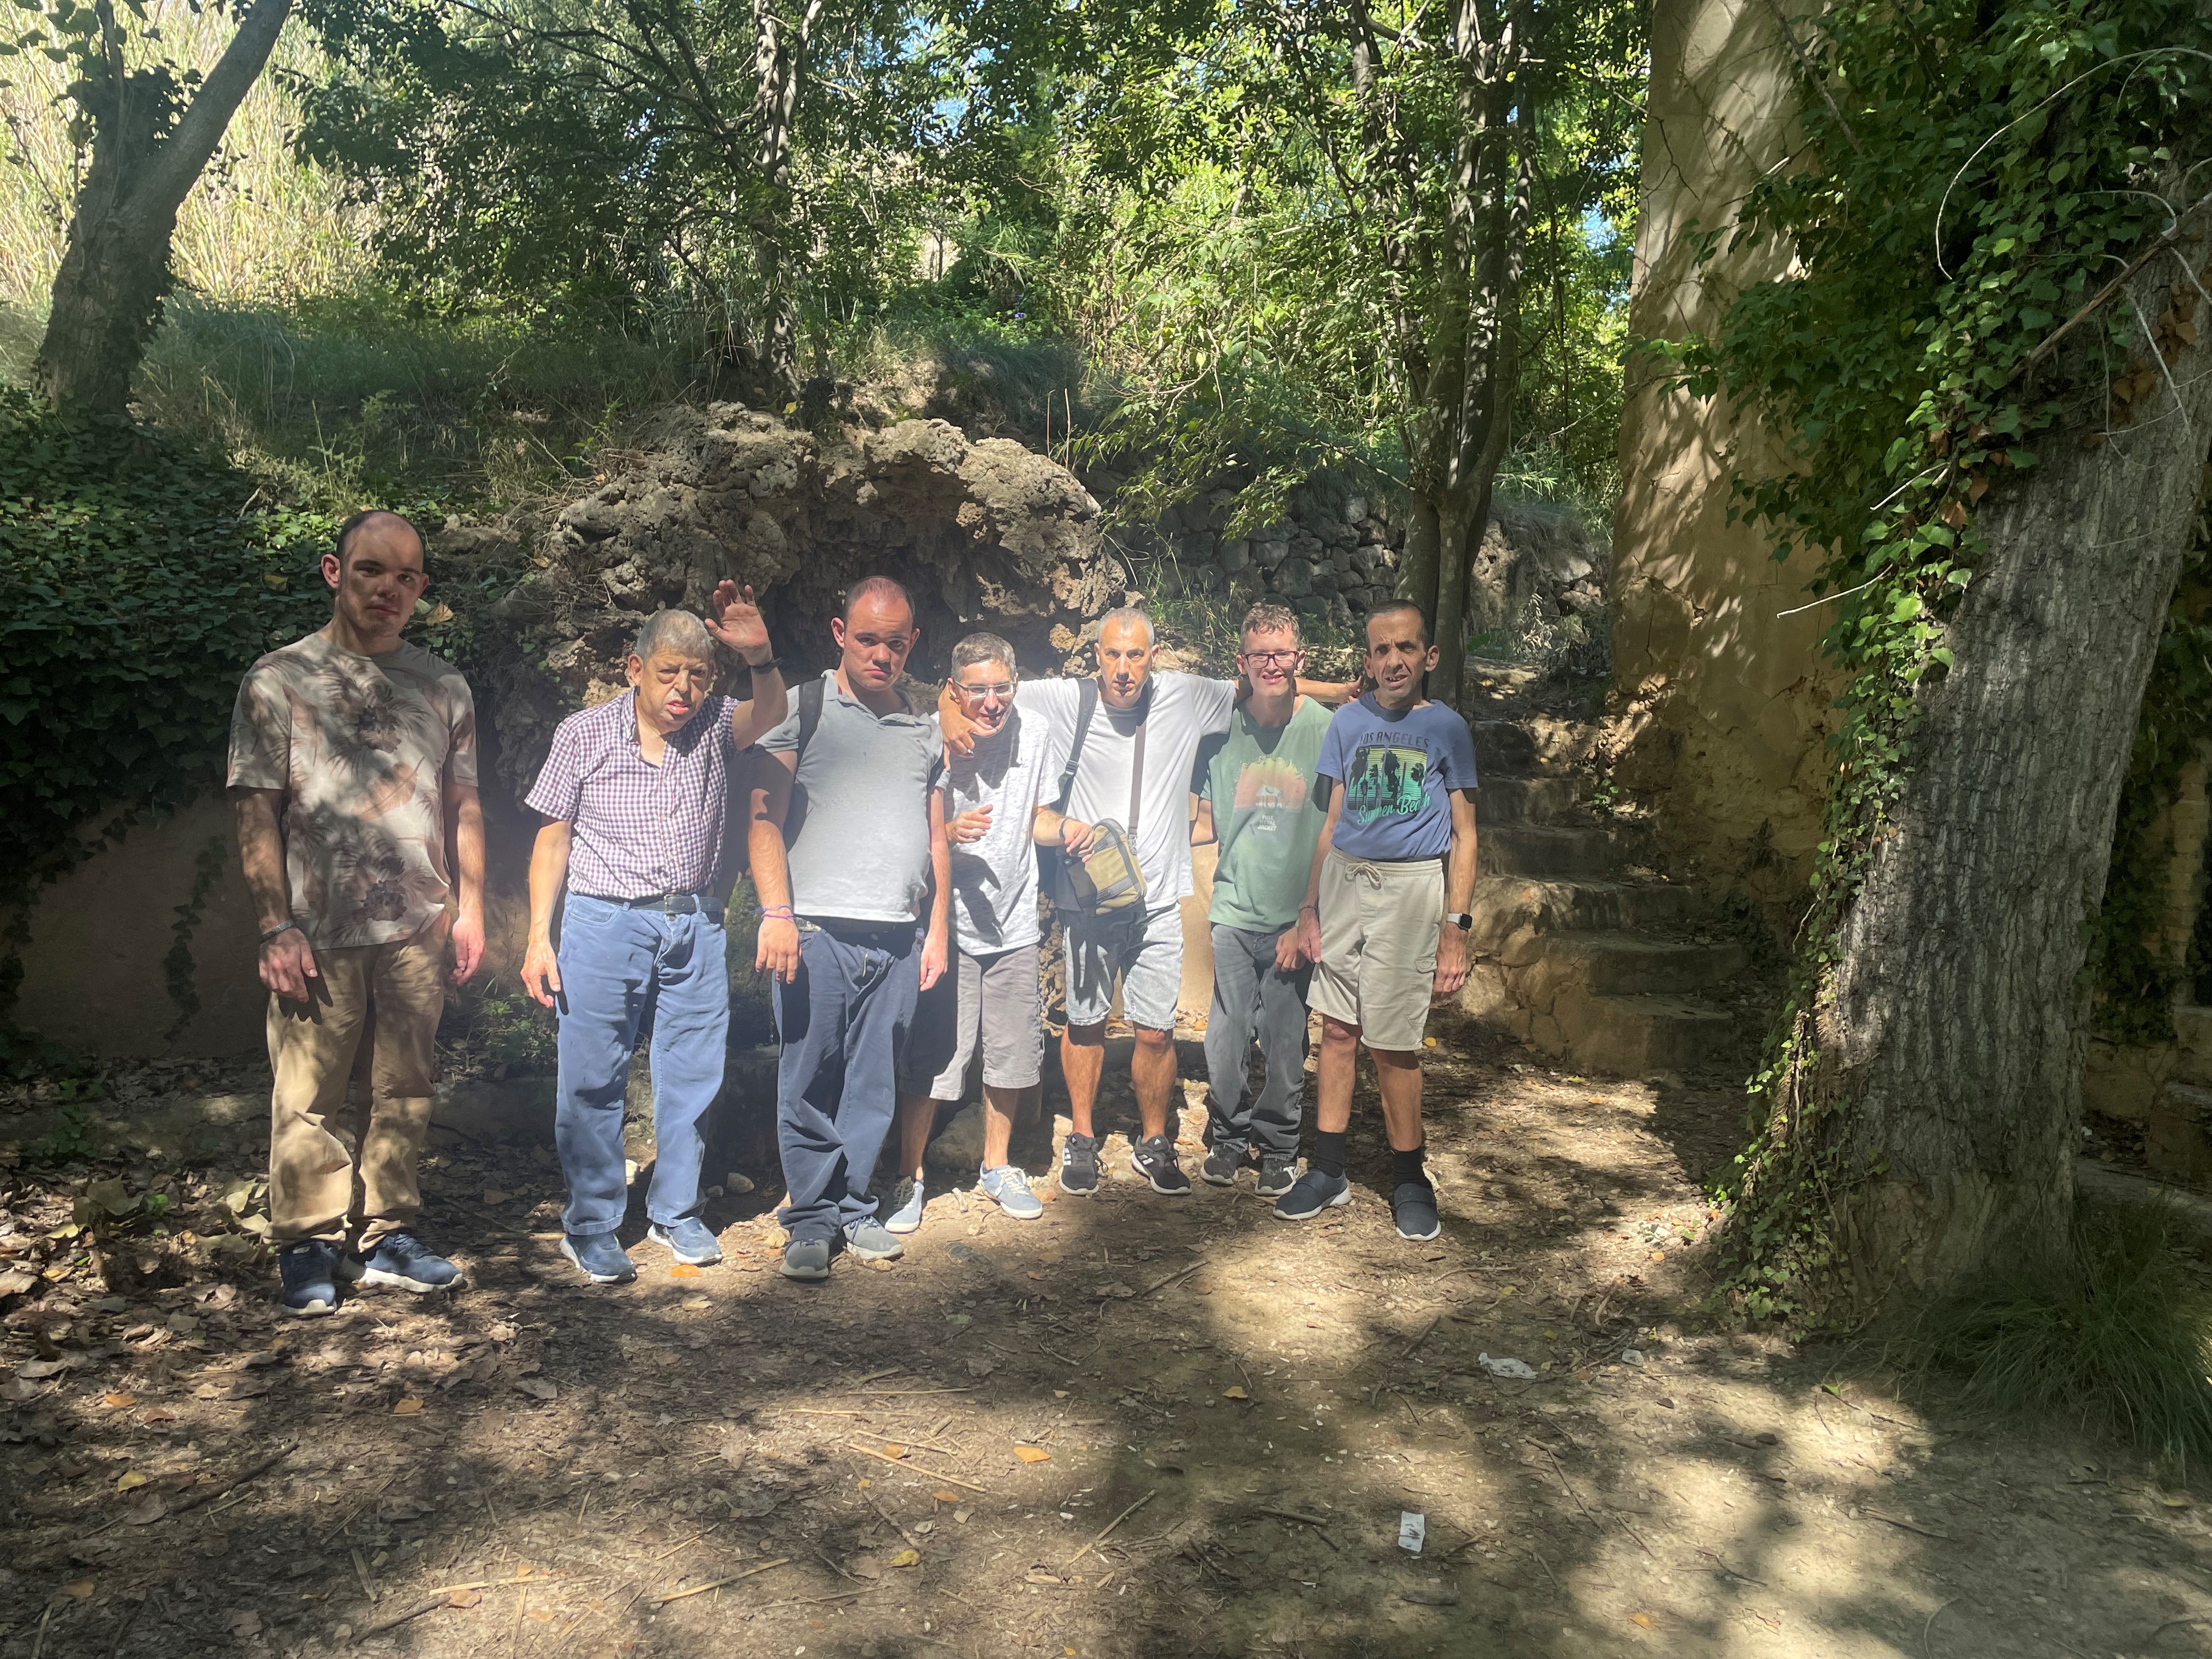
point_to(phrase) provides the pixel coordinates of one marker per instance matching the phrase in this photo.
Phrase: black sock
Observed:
(1329, 1152)
(1406, 1166)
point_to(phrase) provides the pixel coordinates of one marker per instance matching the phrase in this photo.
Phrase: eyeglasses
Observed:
(1273, 659)
(1002, 690)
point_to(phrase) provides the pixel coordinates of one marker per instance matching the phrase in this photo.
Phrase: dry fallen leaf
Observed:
(133, 1479)
(80, 1588)
(118, 1400)
(409, 1407)
(945, 1495)
(465, 1598)
(1235, 1394)
(1642, 1619)
(537, 1387)
(892, 1449)
(494, 1195)
(1033, 1454)
(146, 1510)
(906, 1558)
(684, 1270)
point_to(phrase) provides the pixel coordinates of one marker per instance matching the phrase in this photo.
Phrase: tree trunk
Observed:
(780, 64)
(1460, 532)
(1418, 565)
(115, 271)
(1948, 1036)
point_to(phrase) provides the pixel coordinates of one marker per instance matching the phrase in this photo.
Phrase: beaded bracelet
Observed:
(778, 913)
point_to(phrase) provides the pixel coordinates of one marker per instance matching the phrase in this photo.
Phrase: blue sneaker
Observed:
(1313, 1192)
(905, 1204)
(1009, 1189)
(402, 1259)
(690, 1240)
(601, 1257)
(309, 1271)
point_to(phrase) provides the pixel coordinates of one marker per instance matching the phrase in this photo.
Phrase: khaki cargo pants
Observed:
(341, 1169)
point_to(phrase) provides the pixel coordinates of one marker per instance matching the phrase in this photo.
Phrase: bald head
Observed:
(391, 536)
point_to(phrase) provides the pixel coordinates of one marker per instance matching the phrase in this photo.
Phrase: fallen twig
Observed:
(934, 1475)
(1730, 1570)
(1110, 1526)
(890, 1520)
(685, 1545)
(437, 1599)
(1422, 1338)
(701, 1589)
(1179, 1272)
(1898, 1521)
(2171, 1624)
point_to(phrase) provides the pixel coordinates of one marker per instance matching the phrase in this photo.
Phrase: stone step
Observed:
(1637, 1035)
(1504, 905)
(1635, 964)
(1505, 800)
(1505, 747)
(1547, 849)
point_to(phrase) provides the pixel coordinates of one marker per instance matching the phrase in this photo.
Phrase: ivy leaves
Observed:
(136, 584)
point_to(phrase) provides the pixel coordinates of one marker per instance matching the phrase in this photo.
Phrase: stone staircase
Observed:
(1579, 948)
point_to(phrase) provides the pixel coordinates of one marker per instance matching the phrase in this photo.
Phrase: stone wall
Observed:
(1718, 675)
(1334, 555)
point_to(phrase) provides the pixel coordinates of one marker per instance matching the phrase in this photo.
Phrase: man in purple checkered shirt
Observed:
(635, 794)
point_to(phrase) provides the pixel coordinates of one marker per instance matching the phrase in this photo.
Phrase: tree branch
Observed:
(176, 165)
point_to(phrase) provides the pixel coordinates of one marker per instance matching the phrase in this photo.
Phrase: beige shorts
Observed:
(1379, 927)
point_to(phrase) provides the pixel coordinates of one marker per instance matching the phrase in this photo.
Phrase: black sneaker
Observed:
(1277, 1176)
(1221, 1166)
(1414, 1208)
(309, 1271)
(1078, 1164)
(1154, 1158)
(1312, 1193)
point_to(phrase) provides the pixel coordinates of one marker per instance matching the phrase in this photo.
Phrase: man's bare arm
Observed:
(770, 707)
(1309, 913)
(548, 874)
(937, 941)
(1459, 894)
(463, 811)
(287, 960)
(768, 799)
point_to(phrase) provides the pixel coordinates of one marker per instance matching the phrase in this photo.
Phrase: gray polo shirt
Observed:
(862, 852)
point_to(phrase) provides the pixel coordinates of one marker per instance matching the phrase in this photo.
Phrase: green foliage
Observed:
(1969, 178)
(178, 969)
(2111, 1327)
(2136, 985)
(72, 1136)
(136, 583)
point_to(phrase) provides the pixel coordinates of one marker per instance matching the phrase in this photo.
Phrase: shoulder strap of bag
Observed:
(809, 718)
(1137, 768)
(1086, 705)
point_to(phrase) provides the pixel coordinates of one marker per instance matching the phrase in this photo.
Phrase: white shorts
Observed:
(1146, 958)
(1379, 927)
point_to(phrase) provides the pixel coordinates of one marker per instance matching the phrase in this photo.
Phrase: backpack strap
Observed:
(1086, 705)
(809, 718)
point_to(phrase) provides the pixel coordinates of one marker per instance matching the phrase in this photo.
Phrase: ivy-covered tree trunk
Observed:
(146, 157)
(1942, 1097)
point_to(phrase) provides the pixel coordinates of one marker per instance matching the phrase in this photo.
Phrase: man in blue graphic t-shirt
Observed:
(1399, 838)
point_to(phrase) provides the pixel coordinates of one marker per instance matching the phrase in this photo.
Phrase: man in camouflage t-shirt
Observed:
(353, 771)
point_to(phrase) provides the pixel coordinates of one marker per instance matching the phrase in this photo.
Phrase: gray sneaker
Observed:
(904, 1215)
(871, 1242)
(1009, 1189)
(806, 1258)
(1277, 1176)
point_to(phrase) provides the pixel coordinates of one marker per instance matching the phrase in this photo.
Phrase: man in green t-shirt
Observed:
(1257, 783)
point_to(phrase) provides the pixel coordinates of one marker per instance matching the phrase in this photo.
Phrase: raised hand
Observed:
(735, 620)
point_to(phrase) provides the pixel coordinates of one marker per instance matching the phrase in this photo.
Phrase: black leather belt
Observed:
(675, 904)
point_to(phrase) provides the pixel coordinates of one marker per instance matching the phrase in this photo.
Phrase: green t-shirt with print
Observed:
(1266, 820)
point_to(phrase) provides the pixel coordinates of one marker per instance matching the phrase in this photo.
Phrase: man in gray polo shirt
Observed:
(846, 844)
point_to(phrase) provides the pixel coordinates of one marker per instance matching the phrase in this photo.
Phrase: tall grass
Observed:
(2111, 1327)
(258, 226)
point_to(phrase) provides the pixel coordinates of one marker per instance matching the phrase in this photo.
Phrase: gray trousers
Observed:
(1253, 998)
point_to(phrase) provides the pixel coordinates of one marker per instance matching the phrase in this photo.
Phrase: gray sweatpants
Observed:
(1252, 998)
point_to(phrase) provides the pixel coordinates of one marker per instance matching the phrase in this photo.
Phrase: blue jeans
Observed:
(624, 971)
(843, 1023)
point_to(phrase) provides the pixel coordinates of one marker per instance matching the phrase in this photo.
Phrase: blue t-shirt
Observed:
(1398, 772)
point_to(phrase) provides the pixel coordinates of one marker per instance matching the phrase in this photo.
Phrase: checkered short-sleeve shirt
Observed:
(639, 830)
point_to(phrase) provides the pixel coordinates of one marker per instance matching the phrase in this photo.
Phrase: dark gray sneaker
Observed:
(1221, 1166)
(1312, 1193)
(1413, 1208)
(806, 1258)
(1154, 1158)
(308, 1270)
(1277, 1176)
(871, 1241)
(1078, 1164)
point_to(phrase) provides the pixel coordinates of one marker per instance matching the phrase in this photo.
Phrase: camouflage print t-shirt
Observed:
(361, 746)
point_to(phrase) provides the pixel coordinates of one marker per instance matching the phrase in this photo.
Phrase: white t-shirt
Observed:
(994, 880)
(1183, 708)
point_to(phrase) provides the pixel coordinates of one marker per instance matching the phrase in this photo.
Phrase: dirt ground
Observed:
(1138, 1427)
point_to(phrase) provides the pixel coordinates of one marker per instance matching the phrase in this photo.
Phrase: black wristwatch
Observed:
(1460, 919)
